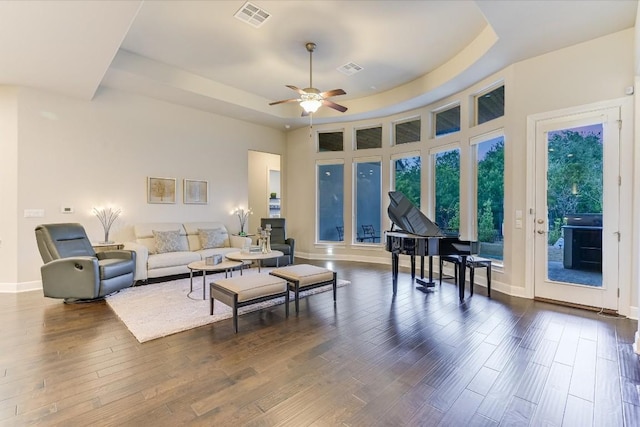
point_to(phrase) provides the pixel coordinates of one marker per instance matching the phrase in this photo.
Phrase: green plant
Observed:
(454, 222)
(486, 232)
(555, 231)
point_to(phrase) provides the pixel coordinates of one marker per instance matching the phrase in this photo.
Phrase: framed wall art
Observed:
(161, 190)
(196, 192)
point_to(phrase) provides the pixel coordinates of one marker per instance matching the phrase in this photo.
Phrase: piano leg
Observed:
(394, 271)
(461, 276)
(421, 281)
(413, 267)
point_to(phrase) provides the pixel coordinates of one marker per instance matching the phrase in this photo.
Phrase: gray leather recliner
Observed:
(72, 270)
(279, 242)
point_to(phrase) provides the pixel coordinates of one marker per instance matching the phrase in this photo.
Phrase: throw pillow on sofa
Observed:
(212, 238)
(168, 241)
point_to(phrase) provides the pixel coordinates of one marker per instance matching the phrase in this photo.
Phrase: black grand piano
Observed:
(418, 236)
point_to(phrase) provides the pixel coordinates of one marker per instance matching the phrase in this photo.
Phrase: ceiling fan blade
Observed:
(300, 91)
(331, 93)
(335, 106)
(284, 101)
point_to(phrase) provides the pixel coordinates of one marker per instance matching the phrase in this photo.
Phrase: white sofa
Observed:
(152, 264)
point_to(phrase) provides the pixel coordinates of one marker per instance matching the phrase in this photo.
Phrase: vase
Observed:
(106, 237)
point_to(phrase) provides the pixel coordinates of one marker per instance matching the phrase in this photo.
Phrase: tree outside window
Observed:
(448, 191)
(574, 175)
(490, 197)
(407, 178)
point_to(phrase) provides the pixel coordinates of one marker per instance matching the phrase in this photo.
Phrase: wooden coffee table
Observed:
(254, 256)
(227, 266)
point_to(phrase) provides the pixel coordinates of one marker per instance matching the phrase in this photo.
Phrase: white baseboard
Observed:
(514, 291)
(348, 257)
(405, 262)
(14, 288)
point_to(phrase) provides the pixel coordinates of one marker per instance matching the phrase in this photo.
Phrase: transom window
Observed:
(330, 141)
(490, 105)
(408, 131)
(369, 138)
(447, 121)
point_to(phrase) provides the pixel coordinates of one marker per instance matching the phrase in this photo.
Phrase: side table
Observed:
(254, 256)
(110, 246)
(227, 266)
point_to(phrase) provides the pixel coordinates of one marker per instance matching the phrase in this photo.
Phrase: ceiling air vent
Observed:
(350, 69)
(252, 14)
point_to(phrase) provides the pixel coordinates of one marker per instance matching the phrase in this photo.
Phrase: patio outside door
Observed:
(576, 209)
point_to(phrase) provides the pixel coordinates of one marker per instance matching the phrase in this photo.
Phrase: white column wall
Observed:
(8, 186)
(635, 255)
(636, 201)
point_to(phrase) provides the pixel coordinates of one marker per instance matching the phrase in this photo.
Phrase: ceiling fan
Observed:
(311, 98)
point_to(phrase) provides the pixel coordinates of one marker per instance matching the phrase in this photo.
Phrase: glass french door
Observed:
(576, 209)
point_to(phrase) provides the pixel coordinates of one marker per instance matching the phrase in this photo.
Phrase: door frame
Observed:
(628, 243)
(605, 296)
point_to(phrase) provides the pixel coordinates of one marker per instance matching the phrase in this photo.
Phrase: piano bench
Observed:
(472, 264)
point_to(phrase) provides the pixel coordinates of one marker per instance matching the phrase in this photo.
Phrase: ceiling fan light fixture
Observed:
(311, 106)
(311, 99)
(310, 102)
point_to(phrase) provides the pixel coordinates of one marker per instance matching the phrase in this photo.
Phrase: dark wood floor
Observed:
(372, 360)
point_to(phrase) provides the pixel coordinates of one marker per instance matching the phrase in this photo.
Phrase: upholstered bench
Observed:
(306, 276)
(240, 291)
(473, 262)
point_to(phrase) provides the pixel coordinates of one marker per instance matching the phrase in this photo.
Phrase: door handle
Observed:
(541, 231)
(541, 221)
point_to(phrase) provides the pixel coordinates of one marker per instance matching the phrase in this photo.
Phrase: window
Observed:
(407, 178)
(447, 121)
(367, 198)
(490, 196)
(369, 138)
(330, 202)
(447, 204)
(330, 141)
(490, 105)
(408, 131)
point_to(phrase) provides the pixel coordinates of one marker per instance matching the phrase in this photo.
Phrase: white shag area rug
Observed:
(160, 309)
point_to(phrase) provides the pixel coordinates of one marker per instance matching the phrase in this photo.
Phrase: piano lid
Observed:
(407, 217)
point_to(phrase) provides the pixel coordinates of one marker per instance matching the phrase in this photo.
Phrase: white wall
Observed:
(586, 73)
(636, 201)
(8, 185)
(83, 154)
(589, 72)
